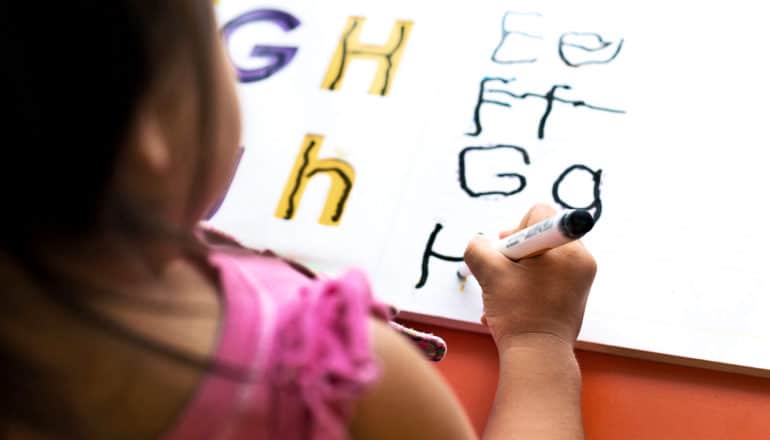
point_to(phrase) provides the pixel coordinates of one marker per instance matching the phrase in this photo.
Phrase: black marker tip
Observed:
(577, 223)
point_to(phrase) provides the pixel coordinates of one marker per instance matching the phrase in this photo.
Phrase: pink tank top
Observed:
(304, 341)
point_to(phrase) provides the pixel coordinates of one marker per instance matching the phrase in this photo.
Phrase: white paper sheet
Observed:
(665, 107)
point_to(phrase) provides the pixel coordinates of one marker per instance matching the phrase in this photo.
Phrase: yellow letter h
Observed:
(308, 165)
(388, 56)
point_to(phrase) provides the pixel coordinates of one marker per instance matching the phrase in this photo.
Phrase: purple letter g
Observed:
(279, 56)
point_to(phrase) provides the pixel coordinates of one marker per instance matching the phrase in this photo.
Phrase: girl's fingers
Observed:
(536, 213)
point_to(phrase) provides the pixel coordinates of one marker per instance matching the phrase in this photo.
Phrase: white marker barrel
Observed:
(552, 232)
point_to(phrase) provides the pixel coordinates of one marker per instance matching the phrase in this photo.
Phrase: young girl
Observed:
(121, 318)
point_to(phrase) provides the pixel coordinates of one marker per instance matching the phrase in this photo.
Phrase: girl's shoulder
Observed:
(302, 339)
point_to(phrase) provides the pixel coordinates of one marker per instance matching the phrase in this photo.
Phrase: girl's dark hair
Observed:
(73, 73)
(72, 77)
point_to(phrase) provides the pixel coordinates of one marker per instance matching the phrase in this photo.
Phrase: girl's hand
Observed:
(537, 296)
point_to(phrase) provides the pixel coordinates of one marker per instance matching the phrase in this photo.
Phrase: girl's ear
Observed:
(150, 149)
(144, 170)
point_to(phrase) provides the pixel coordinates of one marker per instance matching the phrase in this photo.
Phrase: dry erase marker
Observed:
(552, 232)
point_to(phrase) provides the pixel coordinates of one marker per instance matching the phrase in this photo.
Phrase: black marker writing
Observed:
(472, 186)
(516, 39)
(580, 48)
(596, 177)
(502, 98)
(428, 253)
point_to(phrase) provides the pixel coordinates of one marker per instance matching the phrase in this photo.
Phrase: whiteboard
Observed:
(648, 113)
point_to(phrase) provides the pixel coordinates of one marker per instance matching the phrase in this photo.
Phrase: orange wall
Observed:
(624, 398)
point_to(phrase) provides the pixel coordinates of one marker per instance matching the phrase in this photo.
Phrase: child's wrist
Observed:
(540, 370)
(532, 339)
(530, 334)
(538, 347)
